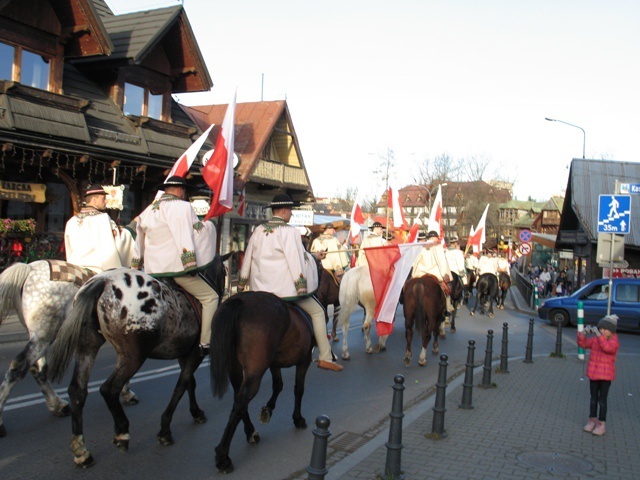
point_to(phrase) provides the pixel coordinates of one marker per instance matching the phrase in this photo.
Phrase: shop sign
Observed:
(22, 192)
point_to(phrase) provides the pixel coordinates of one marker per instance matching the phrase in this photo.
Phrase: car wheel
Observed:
(559, 317)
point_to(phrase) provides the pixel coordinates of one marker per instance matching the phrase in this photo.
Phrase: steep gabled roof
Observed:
(588, 179)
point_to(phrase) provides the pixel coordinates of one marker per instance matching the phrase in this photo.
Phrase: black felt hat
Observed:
(174, 181)
(432, 233)
(329, 225)
(282, 200)
(376, 225)
(94, 189)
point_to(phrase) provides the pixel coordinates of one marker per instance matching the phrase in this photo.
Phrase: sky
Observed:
(430, 77)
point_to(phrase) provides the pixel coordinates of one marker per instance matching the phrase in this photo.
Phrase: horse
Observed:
(456, 293)
(504, 284)
(253, 332)
(486, 291)
(472, 277)
(328, 294)
(356, 287)
(424, 304)
(142, 318)
(41, 294)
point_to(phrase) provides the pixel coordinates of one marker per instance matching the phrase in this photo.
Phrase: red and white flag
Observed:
(183, 164)
(393, 201)
(479, 236)
(413, 231)
(435, 216)
(357, 220)
(241, 202)
(218, 172)
(389, 267)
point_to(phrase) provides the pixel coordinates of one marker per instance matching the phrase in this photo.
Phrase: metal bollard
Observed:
(580, 328)
(467, 385)
(317, 467)
(528, 357)
(486, 374)
(558, 352)
(505, 345)
(437, 429)
(393, 466)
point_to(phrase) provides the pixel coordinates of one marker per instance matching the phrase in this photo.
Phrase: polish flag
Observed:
(479, 237)
(241, 202)
(357, 219)
(389, 267)
(435, 216)
(183, 164)
(413, 231)
(218, 172)
(398, 212)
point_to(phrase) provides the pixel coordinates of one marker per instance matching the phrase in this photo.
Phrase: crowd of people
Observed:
(552, 282)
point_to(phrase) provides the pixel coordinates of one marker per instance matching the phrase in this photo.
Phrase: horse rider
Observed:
(486, 264)
(92, 240)
(374, 239)
(471, 262)
(503, 265)
(432, 260)
(455, 258)
(172, 242)
(275, 261)
(336, 259)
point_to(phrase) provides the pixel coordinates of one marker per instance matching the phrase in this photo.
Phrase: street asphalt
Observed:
(528, 427)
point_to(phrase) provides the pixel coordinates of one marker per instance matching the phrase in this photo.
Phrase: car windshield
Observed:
(593, 292)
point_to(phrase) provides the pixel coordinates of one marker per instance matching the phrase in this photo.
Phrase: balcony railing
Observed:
(278, 172)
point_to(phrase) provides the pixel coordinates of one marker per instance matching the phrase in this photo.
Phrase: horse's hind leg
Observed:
(301, 373)
(56, 406)
(186, 381)
(276, 388)
(126, 367)
(129, 397)
(382, 344)
(336, 312)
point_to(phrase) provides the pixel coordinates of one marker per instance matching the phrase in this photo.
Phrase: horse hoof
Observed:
(300, 424)
(369, 351)
(443, 335)
(224, 465)
(422, 363)
(65, 411)
(265, 415)
(407, 362)
(335, 338)
(346, 357)
(123, 445)
(453, 329)
(472, 314)
(3, 431)
(382, 348)
(253, 438)
(491, 315)
(376, 349)
(84, 463)
(133, 400)
(199, 417)
(165, 440)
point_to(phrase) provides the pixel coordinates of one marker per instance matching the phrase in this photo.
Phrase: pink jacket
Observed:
(602, 360)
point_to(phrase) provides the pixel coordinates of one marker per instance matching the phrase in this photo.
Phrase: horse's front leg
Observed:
(276, 388)
(366, 329)
(186, 381)
(408, 335)
(345, 334)
(336, 312)
(490, 312)
(382, 344)
(453, 320)
(475, 305)
(301, 373)
(129, 397)
(436, 346)
(422, 360)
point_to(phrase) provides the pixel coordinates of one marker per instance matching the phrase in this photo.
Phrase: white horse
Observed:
(41, 305)
(356, 287)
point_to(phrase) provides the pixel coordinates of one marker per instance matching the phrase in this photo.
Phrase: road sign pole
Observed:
(580, 328)
(610, 275)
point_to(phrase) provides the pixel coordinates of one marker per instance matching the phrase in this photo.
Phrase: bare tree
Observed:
(476, 168)
(442, 168)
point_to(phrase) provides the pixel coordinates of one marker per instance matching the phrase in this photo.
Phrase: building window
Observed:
(140, 101)
(20, 65)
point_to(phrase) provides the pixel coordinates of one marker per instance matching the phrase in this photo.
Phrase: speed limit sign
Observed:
(525, 248)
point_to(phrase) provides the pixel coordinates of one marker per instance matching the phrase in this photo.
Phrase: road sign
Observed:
(525, 248)
(525, 236)
(614, 214)
(630, 188)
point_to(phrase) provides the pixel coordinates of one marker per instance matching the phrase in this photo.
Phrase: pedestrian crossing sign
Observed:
(614, 214)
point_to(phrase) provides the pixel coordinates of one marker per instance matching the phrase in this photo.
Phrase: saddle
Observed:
(446, 288)
(193, 301)
(304, 314)
(61, 271)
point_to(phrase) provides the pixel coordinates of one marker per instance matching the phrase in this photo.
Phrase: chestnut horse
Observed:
(424, 304)
(254, 332)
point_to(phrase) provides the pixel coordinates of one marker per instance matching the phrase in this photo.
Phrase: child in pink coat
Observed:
(601, 369)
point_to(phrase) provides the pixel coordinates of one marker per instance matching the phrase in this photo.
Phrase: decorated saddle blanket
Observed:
(61, 271)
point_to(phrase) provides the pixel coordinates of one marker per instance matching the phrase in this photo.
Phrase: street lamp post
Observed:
(584, 135)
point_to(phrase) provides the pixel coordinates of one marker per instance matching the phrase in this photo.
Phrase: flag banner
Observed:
(435, 216)
(241, 202)
(183, 164)
(479, 237)
(388, 268)
(218, 172)
(357, 219)
(399, 219)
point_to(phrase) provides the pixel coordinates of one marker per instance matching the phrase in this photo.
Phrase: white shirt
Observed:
(455, 258)
(275, 261)
(337, 259)
(92, 240)
(171, 240)
(486, 265)
(432, 260)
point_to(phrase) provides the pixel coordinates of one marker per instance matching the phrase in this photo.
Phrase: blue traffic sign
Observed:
(614, 214)
(525, 236)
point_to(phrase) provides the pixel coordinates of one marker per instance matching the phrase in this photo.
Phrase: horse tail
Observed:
(224, 344)
(420, 312)
(11, 282)
(81, 317)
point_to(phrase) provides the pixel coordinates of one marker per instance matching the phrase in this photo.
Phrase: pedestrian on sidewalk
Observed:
(601, 369)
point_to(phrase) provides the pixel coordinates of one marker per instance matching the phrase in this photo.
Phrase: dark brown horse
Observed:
(504, 284)
(142, 318)
(424, 304)
(486, 292)
(472, 277)
(328, 293)
(456, 293)
(254, 332)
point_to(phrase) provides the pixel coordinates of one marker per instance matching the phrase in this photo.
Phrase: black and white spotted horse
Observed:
(41, 293)
(142, 318)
